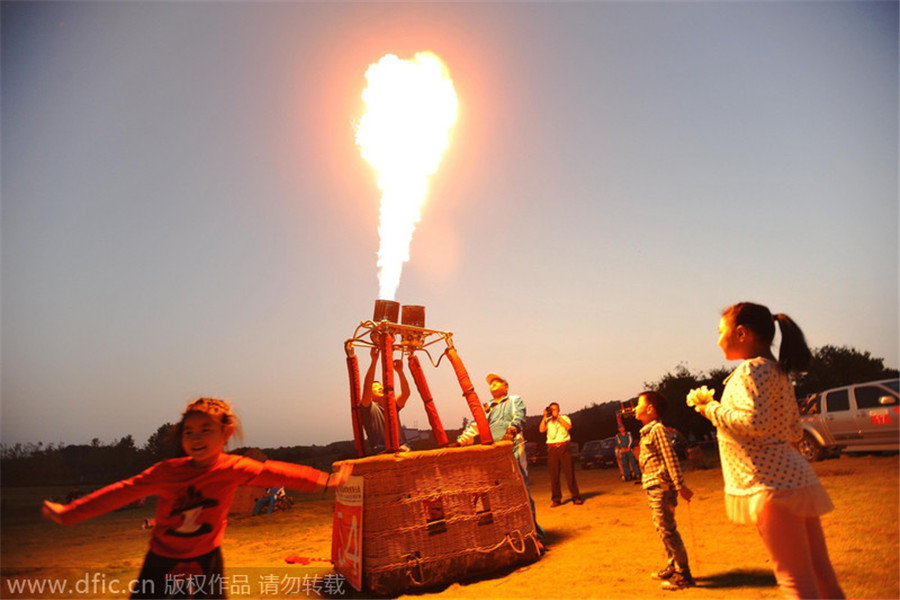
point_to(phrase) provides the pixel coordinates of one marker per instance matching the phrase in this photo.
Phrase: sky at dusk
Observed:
(185, 212)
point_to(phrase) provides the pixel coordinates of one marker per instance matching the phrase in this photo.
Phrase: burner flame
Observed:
(410, 107)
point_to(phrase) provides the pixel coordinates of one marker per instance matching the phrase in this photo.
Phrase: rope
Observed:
(693, 538)
(506, 540)
(461, 553)
(512, 543)
(393, 532)
(417, 563)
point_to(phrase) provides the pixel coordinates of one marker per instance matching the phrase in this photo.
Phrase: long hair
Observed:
(794, 354)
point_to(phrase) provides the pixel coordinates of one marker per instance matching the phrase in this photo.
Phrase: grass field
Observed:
(603, 549)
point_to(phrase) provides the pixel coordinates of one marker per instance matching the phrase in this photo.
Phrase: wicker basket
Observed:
(438, 516)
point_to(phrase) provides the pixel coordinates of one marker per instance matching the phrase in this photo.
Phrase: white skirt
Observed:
(808, 501)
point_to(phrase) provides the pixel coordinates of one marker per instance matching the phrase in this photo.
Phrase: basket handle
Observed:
(414, 562)
(512, 544)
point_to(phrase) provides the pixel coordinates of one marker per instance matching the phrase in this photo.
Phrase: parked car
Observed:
(536, 453)
(576, 454)
(855, 418)
(599, 453)
(679, 442)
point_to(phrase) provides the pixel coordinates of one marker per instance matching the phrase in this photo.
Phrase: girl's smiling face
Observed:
(203, 438)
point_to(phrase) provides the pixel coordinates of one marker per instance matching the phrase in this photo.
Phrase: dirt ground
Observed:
(605, 548)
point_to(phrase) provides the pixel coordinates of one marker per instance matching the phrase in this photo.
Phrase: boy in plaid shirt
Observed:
(661, 478)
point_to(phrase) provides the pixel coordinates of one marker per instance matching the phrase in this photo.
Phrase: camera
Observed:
(549, 412)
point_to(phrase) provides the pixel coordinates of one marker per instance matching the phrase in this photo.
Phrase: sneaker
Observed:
(577, 501)
(554, 504)
(679, 581)
(665, 573)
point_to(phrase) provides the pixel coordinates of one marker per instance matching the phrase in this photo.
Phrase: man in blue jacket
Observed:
(506, 419)
(630, 468)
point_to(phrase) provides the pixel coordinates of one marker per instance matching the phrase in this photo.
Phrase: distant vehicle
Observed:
(576, 455)
(679, 442)
(862, 417)
(599, 453)
(536, 454)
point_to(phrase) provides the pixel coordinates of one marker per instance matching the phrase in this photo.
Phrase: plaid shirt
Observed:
(659, 463)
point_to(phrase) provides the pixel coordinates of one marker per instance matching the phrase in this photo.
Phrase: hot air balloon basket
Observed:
(436, 517)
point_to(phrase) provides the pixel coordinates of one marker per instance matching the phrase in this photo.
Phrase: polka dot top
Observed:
(758, 421)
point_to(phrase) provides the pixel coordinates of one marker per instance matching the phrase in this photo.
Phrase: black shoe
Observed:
(554, 504)
(637, 482)
(679, 581)
(664, 573)
(577, 501)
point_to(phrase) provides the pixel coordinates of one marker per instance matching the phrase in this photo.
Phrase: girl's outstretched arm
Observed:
(104, 500)
(274, 473)
(341, 476)
(53, 511)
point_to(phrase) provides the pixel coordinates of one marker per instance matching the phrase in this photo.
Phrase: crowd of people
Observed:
(767, 482)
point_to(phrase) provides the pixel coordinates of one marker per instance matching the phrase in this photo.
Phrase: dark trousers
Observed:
(199, 577)
(561, 455)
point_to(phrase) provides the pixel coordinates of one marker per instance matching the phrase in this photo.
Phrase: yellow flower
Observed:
(700, 396)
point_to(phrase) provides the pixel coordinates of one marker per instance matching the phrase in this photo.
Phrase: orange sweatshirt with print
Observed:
(192, 503)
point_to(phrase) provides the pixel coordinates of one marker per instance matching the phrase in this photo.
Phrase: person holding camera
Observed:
(557, 427)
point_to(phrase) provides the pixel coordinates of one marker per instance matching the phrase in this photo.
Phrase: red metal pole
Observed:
(430, 409)
(353, 371)
(484, 430)
(391, 422)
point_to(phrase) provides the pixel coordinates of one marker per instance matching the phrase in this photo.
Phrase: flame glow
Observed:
(410, 107)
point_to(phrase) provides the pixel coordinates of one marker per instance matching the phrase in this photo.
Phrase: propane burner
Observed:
(409, 337)
(386, 310)
(406, 325)
(413, 315)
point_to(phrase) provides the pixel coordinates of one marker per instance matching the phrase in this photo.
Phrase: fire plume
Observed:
(410, 107)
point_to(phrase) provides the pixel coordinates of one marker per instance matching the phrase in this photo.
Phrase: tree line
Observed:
(97, 463)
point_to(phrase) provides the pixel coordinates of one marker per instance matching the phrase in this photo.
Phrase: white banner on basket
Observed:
(347, 531)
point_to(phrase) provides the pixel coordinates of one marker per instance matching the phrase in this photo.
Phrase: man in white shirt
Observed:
(557, 427)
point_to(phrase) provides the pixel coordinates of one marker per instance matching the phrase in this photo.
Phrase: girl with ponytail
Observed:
(767, 481)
